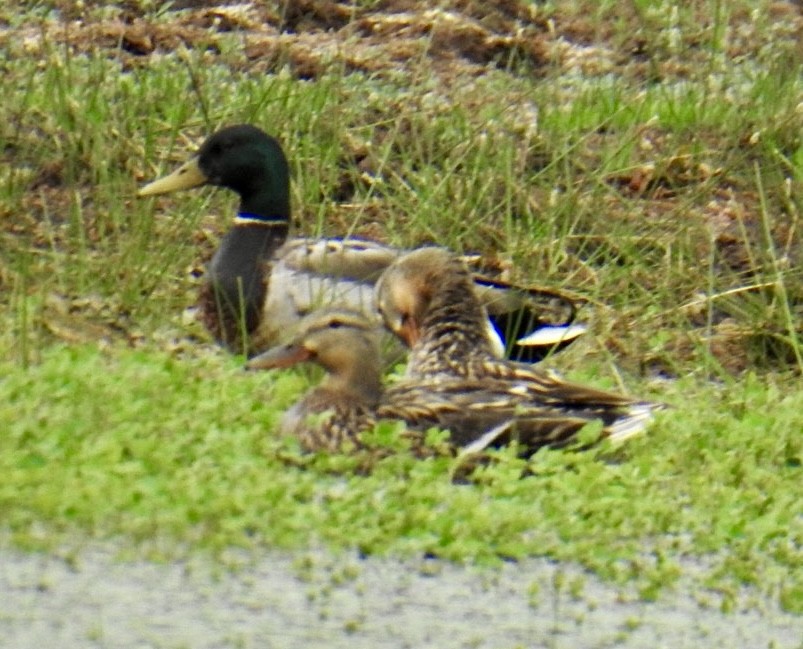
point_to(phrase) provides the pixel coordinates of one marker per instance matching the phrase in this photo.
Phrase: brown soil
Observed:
(458, 37)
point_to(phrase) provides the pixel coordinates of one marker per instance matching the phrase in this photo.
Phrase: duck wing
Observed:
(292, 293)
(543, 387)
(482, 413)
(347, 259)
(535, 320)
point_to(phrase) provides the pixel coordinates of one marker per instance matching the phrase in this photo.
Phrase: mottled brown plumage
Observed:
(350, 400)
(331, 416)
(425, 298)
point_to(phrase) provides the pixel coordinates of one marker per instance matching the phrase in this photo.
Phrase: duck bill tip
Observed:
(279, 357)
(187, 176)
(410, 333)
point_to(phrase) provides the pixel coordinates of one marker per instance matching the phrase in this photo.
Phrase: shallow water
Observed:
(317, 600)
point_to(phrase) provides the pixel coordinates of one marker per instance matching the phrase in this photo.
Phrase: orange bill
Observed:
(279, 357)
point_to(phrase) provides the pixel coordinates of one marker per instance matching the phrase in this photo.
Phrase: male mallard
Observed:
(350, 399)
(426, 298)
(259, 283)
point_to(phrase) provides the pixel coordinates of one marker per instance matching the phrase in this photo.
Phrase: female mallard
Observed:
(426, 299)
(259, 283)
(333, 414)
(350, 399)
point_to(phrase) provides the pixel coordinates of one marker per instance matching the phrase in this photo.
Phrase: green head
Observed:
(242, 158)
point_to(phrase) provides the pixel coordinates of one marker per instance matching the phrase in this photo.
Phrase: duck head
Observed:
(426, 288)
(242, 158)
(341, 341)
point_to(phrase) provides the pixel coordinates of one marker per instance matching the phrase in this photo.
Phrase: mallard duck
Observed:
(259, 282)
(426, 299)
(333, 414)
(350, 400)
(347, 402)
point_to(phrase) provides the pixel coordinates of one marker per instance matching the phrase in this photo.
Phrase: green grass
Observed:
(658, 175)
(147, 446)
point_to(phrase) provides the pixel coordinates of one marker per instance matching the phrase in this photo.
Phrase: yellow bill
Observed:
(186, 176)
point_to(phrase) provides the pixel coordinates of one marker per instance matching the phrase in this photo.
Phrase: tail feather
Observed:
(552, 335)
(533, 321)
(633, 422)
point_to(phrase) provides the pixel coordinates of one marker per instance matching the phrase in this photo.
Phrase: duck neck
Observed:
(453, 330)
(361, 379)
(266, 197)
(237, 273)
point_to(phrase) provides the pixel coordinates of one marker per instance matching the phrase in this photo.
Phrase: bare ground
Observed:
(92, 599)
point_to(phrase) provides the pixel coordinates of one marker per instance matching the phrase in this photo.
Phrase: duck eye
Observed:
(335, 324)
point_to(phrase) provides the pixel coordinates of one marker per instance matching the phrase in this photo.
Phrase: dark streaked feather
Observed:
(430, 292)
